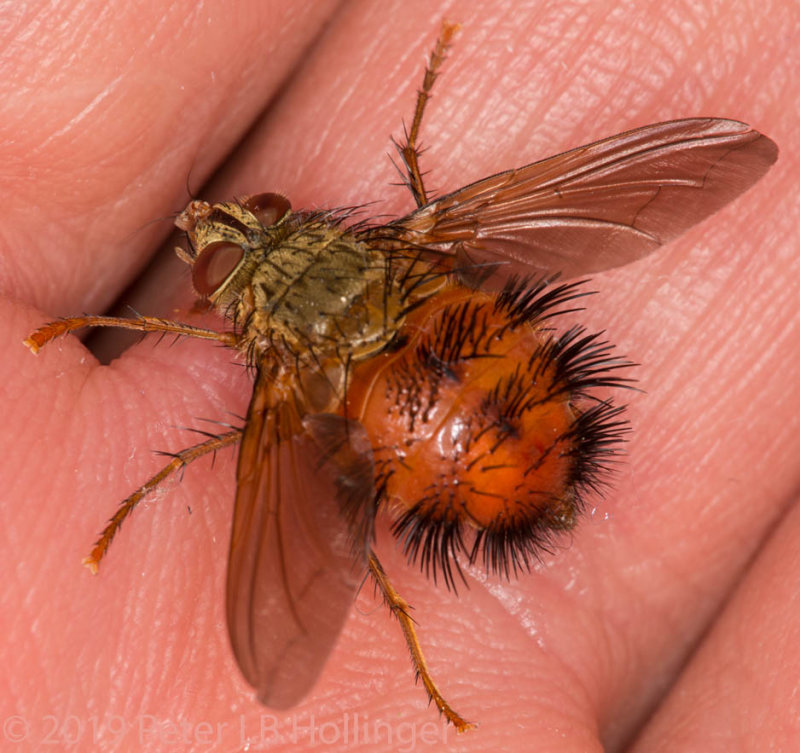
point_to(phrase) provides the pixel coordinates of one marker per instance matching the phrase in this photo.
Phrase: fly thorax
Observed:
(299, 286)
(320, 293)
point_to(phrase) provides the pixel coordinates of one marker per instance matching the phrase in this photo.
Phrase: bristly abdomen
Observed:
(486, 429)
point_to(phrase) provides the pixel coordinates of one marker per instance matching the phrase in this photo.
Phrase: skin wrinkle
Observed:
(74, 123)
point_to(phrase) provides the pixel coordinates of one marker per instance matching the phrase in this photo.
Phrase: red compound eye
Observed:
(214, 265)
(268, 208)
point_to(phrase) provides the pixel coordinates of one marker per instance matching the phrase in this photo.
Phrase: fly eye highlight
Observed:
(268, 208)
(215, 264)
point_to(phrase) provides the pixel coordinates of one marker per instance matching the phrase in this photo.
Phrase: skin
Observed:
(666, 622)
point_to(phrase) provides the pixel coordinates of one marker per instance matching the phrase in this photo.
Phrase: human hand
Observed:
(588, 649)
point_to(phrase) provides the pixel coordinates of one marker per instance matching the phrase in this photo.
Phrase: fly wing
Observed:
(302, 528)
(598, 206)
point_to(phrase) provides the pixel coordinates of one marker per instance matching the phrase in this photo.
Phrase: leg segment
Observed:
(409, 150)
(179, 460)
(38, 339)
(400, 609)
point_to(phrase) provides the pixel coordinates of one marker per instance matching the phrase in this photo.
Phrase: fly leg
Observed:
(179, 461)
(400, 608)
(408, 149)
(38, 339)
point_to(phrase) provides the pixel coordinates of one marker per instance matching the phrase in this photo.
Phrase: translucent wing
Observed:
(598, 206)
(299, 546)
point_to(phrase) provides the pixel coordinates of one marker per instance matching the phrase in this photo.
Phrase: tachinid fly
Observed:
(414, 365)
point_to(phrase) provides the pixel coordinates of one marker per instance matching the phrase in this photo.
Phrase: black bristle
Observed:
(567, 369)
(432, 541)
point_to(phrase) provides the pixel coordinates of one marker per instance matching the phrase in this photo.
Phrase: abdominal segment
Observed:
(486, 425)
